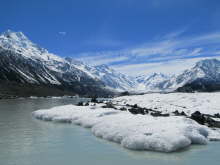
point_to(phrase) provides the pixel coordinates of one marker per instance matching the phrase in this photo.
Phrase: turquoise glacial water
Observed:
(27, 141)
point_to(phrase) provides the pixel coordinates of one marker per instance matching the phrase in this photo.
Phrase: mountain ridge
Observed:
(24, 62)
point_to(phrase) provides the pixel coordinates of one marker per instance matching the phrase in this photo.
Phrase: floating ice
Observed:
(137, 132)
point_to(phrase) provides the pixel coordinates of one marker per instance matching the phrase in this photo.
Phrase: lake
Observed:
(27, 141)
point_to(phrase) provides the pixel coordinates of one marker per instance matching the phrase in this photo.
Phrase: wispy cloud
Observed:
(100, 58)
(169, 49)
(174, 34)
(62, 33)
(168, 67)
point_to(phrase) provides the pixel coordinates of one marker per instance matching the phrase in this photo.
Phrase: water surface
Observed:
(27, 141)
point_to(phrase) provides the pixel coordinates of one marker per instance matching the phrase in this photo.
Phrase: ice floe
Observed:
(137, 132)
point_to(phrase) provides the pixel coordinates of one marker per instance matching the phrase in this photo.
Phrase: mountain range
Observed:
(204, 77)
(27, 69)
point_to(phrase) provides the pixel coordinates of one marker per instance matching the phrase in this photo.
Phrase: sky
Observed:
(133, 36)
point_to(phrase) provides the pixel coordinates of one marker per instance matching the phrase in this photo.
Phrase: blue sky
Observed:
(133, 36)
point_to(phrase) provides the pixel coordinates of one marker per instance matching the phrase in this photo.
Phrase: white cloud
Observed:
(170, 53)
(218, 52)
(98, 60)
(175, 34)
(169, 67)
(62, 33)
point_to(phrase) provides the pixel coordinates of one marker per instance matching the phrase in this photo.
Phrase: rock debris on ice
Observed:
(136, 132)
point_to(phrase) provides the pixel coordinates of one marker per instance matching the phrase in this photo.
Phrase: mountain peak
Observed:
(208, 63)
(18, 42)
(14, 40)
(14, 35)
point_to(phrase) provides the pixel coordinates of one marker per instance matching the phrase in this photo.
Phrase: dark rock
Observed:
(123, 109)
(205, 119)
(135, 106)
(94, 100)
(137, 110)
(159, 114)
(109, 105)
(183, 113)
(197, 116)
(80, 103)
(146, 110)
(177, 113)
(87, 104)
(217, 115)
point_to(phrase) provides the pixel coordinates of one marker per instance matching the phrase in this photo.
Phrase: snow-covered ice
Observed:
(139, 132)
(207, 103)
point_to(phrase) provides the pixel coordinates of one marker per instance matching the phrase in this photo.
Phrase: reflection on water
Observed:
(27, 141)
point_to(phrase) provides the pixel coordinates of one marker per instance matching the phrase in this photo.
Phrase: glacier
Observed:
(207, 103)
(141, 132)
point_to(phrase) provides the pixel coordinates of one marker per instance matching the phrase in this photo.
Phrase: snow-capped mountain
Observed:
(111, 78)
(114, 79)
(29, 63)
(206, 69)
(205, 76)
(19, 43)
(25, 63)
(154, 81)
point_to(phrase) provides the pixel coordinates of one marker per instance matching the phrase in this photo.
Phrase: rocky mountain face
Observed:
(26, 65)
(204, 76)
(154, 82)
(112, 79)
(27, 69)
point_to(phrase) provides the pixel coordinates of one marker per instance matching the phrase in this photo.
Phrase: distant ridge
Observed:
(26, 69)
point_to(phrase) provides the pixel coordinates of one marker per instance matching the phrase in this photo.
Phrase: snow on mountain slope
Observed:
(154, 82)
(23, 64)
(208, 70)
(19, 43)
(115, 79)
(107, 75)
(54, 69)
(34, 64)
